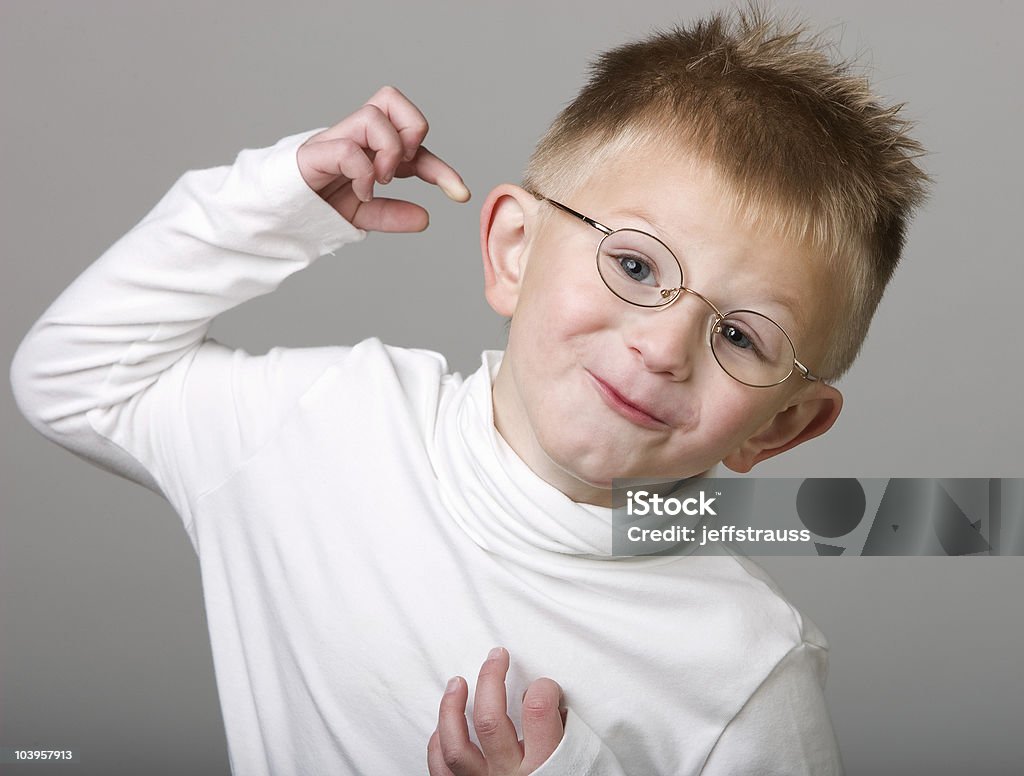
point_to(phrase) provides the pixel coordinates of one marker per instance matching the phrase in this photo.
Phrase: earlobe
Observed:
(503, 241)
(811, 414)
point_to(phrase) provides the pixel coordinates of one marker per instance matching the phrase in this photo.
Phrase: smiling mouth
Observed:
(617, 402)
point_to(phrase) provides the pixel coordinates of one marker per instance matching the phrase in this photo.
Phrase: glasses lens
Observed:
(753, 348)
(638, 267)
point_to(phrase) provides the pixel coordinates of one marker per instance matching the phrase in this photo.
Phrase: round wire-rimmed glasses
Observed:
(640, 269)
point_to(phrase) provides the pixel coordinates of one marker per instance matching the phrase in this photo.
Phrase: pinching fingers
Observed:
(409, 122)
(372, 129)
(432, 169)
(324, 161)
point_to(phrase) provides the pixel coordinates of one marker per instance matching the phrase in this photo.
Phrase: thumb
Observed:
(389, 215)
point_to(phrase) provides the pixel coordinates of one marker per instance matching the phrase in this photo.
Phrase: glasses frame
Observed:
(672, 294)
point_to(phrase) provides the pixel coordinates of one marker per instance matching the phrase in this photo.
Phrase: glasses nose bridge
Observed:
(680, 290)
(683, 340)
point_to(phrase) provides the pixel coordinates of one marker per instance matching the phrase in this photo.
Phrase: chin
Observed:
(595, 470)
(594, 457)
(599, 474)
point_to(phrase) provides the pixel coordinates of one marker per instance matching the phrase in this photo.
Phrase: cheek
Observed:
(734, 415)
(560, 307)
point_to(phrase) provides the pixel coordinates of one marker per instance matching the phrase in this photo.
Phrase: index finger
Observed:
(497, 734)
(430, 168)
(406, 118)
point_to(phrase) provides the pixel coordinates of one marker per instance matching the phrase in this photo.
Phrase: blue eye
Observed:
(740, 343)
(735, 337)
(635, 268)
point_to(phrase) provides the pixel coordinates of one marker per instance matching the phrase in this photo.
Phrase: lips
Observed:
(640, 413)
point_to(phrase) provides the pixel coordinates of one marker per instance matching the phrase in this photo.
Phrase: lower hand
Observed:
(451, 753)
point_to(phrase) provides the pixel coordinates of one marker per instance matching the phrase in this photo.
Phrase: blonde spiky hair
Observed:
(803, 146)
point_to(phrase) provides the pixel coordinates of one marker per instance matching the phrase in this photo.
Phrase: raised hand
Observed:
(380, 141)
(451, 753)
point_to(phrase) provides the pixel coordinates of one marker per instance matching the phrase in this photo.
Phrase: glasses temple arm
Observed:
(805, 372)
(596, 224)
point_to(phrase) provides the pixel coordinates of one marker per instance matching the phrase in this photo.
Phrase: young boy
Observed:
(696, 251)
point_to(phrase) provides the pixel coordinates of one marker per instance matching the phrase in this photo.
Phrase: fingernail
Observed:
(386, 178)
(495, 653)
(455, 190)
(409, 155)
(452, 686)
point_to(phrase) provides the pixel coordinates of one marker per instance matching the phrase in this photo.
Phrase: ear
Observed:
(809, 413)
(504, 220)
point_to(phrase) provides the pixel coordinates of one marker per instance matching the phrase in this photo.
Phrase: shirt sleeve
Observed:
(580, 753)
(119, 369)
(784, 729)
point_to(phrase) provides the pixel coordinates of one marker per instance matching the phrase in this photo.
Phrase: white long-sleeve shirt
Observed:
(364, 533)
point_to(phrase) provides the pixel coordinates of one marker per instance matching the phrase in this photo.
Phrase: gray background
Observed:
(104, 646)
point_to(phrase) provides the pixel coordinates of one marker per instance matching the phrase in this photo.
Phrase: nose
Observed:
(670, 340)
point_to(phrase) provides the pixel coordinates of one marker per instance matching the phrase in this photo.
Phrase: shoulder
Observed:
(746, 625)
(734, 614)
(412, 372)
(781, 714)
(373, 375)
(373, 356)
(781, 613)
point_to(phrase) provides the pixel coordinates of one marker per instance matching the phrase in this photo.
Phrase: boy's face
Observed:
(573, 345)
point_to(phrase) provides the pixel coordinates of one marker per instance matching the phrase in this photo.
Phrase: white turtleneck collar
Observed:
(491, 492)
(497, 499)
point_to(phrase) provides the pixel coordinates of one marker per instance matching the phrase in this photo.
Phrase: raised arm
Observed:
(119, 369)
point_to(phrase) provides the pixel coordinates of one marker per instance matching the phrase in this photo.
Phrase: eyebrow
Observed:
(643, 215)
